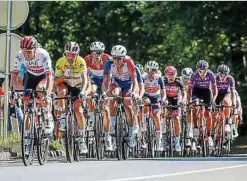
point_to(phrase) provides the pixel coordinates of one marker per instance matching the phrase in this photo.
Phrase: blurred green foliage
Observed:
(177, 33)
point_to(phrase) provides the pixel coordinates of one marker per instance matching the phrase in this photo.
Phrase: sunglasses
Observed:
(118, 58)
(96, 53)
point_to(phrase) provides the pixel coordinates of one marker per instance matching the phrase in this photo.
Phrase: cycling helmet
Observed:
(202, 65)
(151, 65)
(97, 46)
(223, 69)
(72, 47)
(140, 67)
(186, 73)
(118, 51)
(28, 42)
(170, 70)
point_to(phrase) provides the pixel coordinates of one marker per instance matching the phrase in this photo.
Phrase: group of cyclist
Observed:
(118, 75)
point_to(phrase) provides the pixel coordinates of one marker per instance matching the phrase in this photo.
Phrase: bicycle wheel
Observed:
(119, 135)
(28, 131)
(69, 137)
(99, 136)
(151, 139)
(125, 146)
(171, 127)
(203, 137)
(42, 143)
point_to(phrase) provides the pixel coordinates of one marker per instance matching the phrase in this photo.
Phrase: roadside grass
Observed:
(12, 143)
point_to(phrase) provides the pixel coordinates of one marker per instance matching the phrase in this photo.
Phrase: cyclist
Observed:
(95, 64)
(226, 93)
(185, 76)
(71, 77)
(124, 81)
(38, 75)
(154, 94)
(176, 96)
(202, 84)
(237, 118)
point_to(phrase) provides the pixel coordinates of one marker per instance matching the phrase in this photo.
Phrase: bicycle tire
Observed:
(119, 135)
(151, 141)
(203, 138)
(69, 137)
(99, 136)
(27, 160)
(171, 139)
(125, 146)
(42, 142)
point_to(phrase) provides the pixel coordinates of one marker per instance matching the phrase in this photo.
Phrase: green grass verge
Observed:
(11, 143)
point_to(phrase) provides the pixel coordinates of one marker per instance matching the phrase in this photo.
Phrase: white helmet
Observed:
(118, 51)
(97, 46)
(151, 65)
(186, 73)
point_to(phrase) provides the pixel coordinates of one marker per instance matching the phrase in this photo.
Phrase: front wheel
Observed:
(99, 139)
(28, 131)
(69, 137)
(42, 143)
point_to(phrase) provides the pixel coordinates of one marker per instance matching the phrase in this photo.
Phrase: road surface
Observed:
(177, 169)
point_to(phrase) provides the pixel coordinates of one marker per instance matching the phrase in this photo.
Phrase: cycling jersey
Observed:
(74, 70)
(41, 64)
(196, 81)
(173, 89)
(139, 75)
(96, 69)
(121, 76)
(153, 87)
(223, 86)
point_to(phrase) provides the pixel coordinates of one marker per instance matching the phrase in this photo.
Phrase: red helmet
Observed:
(170, 70)
(28, 42)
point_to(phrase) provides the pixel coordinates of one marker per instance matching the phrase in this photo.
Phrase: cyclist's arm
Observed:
(214, 88)
(59, 74)
(17, 67)
(232, 90)
(133, 75)
(107, 76)
(84, 82)
(162, 88)
(48, 73)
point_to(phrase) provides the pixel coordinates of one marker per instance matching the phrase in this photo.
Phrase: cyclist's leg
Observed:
(176, 114)
(156, 116)
(195, 111)
(227, 111)
(81, 121)
(110, 116)
(208, 115)
(91, 105)
(46, 105)
(131, 118)
(62, 91)
(215, 114)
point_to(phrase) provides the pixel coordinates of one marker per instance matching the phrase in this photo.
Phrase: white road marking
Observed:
(177, 173)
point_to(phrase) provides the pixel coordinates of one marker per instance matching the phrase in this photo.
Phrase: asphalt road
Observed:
(177, 169)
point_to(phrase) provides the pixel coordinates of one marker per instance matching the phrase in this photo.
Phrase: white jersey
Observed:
(41, 64)
(153, 87)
